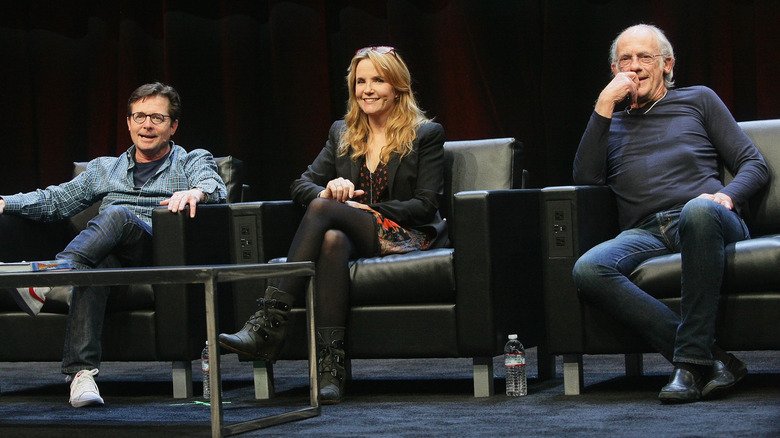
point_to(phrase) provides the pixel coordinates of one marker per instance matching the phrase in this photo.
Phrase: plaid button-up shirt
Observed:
(111, 179)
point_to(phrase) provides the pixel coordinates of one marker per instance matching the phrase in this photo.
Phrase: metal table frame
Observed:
(209, 276)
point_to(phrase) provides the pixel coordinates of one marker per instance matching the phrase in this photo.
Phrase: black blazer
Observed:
(416, 182)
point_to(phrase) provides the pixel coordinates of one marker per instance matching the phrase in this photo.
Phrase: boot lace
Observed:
(332, 360)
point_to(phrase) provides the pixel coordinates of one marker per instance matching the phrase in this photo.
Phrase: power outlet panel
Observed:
(245, 239)
(559, 242)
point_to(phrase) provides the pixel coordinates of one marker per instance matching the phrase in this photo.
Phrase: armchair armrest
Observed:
(181, 240)
(276, 223)
(574, 219)
(245, 232)
(497, 268)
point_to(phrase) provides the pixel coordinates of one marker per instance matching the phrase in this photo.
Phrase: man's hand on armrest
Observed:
(179, 200)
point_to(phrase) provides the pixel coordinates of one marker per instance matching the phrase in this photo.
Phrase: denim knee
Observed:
(585, 271)
(698, 211)
(115, 226)
(114, 213)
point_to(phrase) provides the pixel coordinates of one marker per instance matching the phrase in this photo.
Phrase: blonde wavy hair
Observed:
(401, 129)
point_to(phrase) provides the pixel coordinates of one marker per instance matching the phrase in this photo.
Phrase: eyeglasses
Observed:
(157, 118)
(643, 58)
(382, 50)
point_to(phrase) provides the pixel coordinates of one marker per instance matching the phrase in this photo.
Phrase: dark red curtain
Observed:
(263, 80)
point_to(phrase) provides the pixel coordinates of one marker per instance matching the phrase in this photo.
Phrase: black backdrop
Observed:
(263, 80)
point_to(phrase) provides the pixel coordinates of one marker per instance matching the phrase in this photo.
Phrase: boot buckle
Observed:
(273, 303)
(259, 330)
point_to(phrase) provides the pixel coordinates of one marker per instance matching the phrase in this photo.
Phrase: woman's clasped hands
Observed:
(341, 190)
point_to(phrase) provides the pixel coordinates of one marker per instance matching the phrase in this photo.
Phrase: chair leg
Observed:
(483, 377)
(348, 370)
(264, 379)
(545, 363)
(634, 365)
(573, 383)
(182, 379)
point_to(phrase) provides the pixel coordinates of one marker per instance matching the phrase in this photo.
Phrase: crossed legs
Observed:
(330, 234)
(700, 232)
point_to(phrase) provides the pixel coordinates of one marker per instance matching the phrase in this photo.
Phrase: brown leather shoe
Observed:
(683, 387)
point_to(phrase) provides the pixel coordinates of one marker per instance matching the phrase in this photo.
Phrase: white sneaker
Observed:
(84, 390)
(30, 299)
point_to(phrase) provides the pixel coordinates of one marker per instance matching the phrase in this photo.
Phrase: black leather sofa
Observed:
(575, 218)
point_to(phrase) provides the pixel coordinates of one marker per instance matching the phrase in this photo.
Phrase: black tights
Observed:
(330, 234)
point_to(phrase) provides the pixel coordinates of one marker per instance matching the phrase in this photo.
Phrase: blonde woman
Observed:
(373, 190)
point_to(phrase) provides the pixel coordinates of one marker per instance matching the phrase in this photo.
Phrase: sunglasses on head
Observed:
(382, 50)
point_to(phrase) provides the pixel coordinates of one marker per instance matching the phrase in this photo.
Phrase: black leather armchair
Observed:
(458, 301)
(143, 322)
(577, 218)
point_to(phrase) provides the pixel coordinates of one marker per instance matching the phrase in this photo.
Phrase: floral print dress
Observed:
(393, 238)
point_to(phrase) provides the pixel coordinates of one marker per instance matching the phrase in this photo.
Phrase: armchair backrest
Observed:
(229, 168)
(492, 164)
(762, 214)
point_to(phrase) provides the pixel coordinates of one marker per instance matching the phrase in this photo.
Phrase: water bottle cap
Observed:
(512, 336)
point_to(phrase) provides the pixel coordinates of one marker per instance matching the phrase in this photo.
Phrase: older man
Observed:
(660, 154)
(153, 172)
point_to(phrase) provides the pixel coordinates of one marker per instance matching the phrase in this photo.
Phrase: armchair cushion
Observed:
(427, 277)
(751, 266)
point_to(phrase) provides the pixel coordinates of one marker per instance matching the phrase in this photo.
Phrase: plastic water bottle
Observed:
(514, 363)
(204, 366)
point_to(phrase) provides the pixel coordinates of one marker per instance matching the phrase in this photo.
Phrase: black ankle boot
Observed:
(331, 364)
(263, 335)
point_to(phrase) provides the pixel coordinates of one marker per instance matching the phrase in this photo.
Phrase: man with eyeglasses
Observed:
(660, 155)
(153, 172)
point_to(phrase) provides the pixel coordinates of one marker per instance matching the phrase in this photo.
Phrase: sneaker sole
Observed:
(26, 304)
(83, 403)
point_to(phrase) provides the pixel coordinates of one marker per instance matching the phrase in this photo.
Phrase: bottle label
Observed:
(204, 365)
(514, 359)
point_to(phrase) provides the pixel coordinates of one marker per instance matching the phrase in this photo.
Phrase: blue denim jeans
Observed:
(115, 237)
(699, 232)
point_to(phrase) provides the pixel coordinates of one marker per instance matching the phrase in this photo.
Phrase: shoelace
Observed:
(330, 357)
(82, 379)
